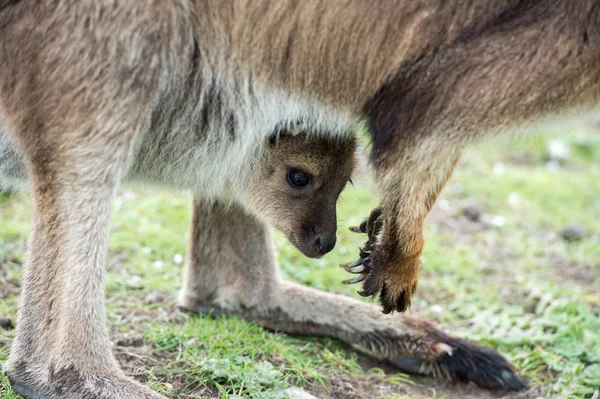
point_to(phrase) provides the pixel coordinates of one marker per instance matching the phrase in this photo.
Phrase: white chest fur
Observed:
(211, 145)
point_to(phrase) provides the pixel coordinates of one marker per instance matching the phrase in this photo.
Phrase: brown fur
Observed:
(178, 92)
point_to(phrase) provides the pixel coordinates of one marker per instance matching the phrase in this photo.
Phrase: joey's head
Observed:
(296, 186)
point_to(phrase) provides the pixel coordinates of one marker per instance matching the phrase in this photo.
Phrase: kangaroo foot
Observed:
(70, 384)
(459, 360)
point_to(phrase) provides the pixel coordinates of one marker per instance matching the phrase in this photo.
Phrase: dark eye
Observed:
(297, 178)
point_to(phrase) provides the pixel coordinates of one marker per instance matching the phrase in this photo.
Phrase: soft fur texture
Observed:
(186, 92)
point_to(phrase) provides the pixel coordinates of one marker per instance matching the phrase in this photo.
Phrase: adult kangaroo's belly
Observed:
(206, 163)
(172, 159)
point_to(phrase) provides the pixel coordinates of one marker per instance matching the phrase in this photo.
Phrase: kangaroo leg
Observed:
(77, 137)
(62, 349)
(230, 260)
(230, 269)
(391, 261)
(423, 117)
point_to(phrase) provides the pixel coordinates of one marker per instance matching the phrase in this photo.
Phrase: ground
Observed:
(496, 269)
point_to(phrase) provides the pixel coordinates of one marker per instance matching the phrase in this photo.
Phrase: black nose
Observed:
(324, 244)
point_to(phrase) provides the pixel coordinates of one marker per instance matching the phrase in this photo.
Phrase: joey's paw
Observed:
(362, 266)
(372, 225)
(395, 290)
(393, 294)
(394, 279)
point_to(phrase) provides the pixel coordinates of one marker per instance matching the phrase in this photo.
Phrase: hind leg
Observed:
(62, 348)
(76, 116)
(230, 261)
(231, 269)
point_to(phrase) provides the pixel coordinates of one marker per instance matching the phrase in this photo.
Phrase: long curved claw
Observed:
(354, 270)
(355, 263)
(371, 226)
(362, 228)
(354, 280)
(360, 265)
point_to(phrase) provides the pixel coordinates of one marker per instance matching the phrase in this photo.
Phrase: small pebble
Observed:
(134, 283)
(348, 387)
(513, 199)
(437, 309)
(558, 151)
(499, 168)
(153, 297)
(498, 221)
(572, 232)
(6, 323)
(471, 210)
(443, 204)
(297, 393)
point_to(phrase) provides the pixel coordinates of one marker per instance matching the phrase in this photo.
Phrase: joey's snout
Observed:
(324, 243)
(316, 241)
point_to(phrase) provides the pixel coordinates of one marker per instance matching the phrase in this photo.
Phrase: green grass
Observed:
(241, 358)
(6, 391)
(518, 288)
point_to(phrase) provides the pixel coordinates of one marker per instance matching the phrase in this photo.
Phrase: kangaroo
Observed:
(93, 91)
(231, 268)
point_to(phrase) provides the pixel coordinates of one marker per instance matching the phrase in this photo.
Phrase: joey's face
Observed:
(297, 186)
